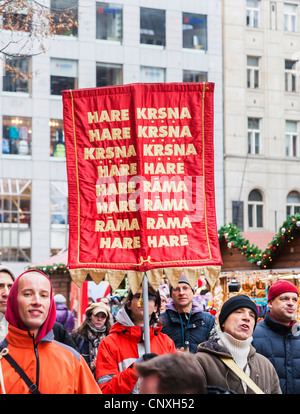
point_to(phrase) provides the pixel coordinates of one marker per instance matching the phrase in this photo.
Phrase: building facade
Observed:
(120, 42)
(261, 112)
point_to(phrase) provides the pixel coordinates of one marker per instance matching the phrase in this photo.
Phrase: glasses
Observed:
(138, 295)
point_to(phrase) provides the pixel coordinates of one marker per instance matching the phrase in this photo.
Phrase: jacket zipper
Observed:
(37, 361)
(37, 364)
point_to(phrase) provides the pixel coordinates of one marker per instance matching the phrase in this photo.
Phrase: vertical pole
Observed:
(146, 314)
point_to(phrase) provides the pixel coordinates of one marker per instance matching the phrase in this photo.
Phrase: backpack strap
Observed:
(32, 387)
(241, 374)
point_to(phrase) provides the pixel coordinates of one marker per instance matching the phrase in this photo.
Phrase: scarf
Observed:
(95, 336)
(239, 351)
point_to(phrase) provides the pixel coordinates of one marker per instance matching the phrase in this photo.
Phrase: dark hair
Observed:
(83, 328)
(177, 373)
(152, 292)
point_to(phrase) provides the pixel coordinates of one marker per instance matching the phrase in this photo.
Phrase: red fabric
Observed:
(279, 287)
(117, 352)
(12, 312)
(159, 132)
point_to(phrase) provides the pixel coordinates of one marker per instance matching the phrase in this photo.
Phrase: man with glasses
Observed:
(185, 321)
(6, 280)
(124, 346)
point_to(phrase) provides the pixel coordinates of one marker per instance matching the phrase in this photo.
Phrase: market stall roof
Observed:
(261, 240)
(61, 258)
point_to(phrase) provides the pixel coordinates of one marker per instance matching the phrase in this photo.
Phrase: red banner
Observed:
(140, 164)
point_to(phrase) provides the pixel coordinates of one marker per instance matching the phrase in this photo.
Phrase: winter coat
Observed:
(118, 351)
(195, 330)
(65, 317)
(281, 345)
(54, 367)
(62, 335)
(218, 374)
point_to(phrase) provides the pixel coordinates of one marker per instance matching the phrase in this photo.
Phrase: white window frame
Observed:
(292, 141)
(253, 14)
(256, 205)
(290, 78)
(292, 203)
(254, 138)
(253, 73)
(290, 17)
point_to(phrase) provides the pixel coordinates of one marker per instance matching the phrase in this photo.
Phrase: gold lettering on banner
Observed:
(106, 134)
(120, 243)
(163, 131)
(109, 152)
(114, 115)
(114, 170)
(162, 113)
(120, 225)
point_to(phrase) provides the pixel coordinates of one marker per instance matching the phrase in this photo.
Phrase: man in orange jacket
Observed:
(124, 346)
(52, 367)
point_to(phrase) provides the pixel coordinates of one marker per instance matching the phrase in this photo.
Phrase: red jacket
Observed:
(117, 352)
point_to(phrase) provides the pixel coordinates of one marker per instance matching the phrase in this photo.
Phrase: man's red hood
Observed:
(12, 312)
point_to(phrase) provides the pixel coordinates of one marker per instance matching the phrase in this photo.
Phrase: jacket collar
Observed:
(275, 325)
(24, 339)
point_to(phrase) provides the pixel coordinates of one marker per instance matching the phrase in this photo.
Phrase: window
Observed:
(252, 13)
(14, 79)
(290, 76)
(292, 203)
(238, 214)
(194, 76)
(16, 17)
(59, 216)
(15, 215)
(152, 26)
(108, 74)
(65, 17)
(291, 139)
(254, 136)
(16, 135)
(194, 31)
(57, 139)
(63, 75)
(109, 21)
(152, 75)
(255, 209)
(252, 72)
(290, 17)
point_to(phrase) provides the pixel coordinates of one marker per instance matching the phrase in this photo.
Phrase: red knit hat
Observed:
(279, 287)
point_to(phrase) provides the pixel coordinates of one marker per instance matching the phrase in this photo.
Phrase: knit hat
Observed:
(279, 287)
(234, 303)
(8, 270)
(97, 307)
(182, 279)
(59, 298)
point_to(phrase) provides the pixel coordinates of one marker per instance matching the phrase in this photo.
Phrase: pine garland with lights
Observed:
(286, 234)
(263, 259)
(50, 269)
(234, 239)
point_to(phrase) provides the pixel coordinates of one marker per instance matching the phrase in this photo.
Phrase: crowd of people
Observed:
(192, 352)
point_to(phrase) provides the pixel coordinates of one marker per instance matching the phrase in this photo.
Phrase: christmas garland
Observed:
(263, 259)
(50, 269)
(234, 239)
